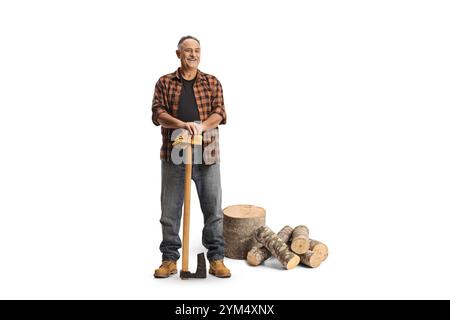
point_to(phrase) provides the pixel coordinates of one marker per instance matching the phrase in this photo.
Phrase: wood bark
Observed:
(258, 254)
(277, 247)
(239, 225)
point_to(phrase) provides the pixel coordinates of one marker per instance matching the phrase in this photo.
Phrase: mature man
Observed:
(190, 100)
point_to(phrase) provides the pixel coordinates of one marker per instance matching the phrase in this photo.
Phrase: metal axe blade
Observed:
(201, 269)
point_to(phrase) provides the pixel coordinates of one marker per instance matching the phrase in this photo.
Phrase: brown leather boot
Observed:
(166, 269)
(218, 269)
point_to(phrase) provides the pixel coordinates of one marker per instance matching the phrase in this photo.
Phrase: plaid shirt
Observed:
(209, 97)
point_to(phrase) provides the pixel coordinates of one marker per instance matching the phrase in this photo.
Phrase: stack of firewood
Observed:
(247, 237)
(290, 246)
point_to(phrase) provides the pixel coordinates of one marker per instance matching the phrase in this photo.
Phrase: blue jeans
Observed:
(207, 181)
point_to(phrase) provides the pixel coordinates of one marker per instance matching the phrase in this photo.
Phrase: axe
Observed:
(185, 142)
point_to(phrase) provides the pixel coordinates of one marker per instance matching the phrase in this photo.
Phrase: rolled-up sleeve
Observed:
(217, 103)
(158, 106)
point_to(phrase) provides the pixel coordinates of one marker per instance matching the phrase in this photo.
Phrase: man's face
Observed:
(189, 54)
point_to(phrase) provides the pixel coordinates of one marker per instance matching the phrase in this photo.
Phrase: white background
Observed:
(338, 118)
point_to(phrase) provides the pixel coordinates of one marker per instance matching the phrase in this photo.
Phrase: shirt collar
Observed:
(177, 75)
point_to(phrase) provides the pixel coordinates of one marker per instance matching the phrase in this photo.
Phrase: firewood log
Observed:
(277, 247)
(258, 254)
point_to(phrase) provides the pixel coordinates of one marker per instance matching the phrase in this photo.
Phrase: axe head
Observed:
(201, 269)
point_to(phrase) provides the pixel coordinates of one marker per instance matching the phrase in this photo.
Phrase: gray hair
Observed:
(185, 38)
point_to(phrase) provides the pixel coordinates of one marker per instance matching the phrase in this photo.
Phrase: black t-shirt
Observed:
(188, 109)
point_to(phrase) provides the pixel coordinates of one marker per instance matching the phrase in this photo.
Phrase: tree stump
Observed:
(239, 225)
(277, 247)
(259, 253)
(300, 240)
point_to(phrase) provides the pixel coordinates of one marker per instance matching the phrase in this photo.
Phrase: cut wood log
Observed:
(300, 240)
(239, 225)
(318, 248)
(317, 253)
(311, 259)
(258, 254)
(277, 247)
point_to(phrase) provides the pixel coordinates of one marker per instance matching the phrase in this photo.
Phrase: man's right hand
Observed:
(193, 128)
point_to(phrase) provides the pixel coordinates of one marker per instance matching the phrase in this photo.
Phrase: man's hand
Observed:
(193, 128)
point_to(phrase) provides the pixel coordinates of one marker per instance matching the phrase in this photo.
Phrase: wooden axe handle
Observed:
(187, 209)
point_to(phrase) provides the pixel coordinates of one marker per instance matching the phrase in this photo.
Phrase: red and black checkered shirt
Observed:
(209, 97)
